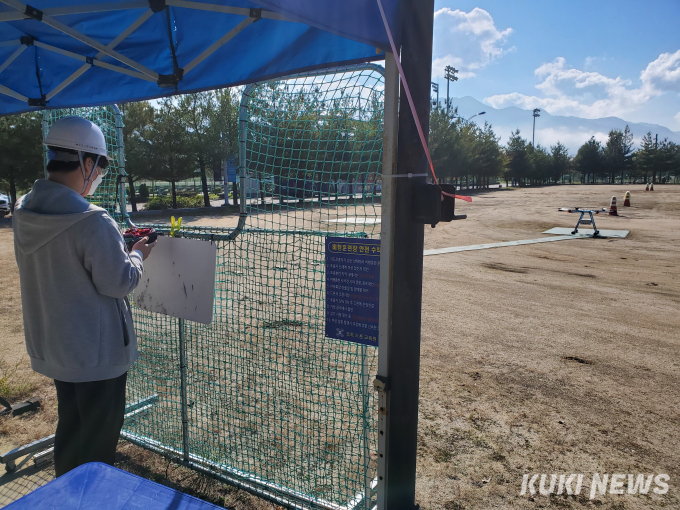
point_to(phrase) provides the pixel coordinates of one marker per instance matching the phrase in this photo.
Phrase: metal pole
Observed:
(45, 128)
(365, 398)
(121, 167)
(536, 114)
(447, 95)
(389, 168)
(183, 391)
(403, 357)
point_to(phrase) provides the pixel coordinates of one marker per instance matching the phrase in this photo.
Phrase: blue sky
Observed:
(588, 59)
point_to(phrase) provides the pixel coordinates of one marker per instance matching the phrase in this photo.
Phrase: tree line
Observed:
(471, 155)
(310, 138)
(171, 141)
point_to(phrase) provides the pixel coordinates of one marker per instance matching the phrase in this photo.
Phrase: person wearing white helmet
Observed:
(75, 276)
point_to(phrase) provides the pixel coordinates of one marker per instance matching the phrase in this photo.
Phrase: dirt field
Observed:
(554, 358)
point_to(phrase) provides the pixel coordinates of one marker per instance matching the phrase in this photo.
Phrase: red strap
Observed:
(410, 102)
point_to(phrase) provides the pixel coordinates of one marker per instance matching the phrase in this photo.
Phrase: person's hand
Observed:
(143, 247)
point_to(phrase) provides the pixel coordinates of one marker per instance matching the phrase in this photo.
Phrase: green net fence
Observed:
(272, 405)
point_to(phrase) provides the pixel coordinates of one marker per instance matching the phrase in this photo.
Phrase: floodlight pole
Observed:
(450, 76)
(537, 112)
(401, 265)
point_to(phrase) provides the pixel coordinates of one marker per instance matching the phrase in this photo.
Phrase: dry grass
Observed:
(155, 467)
(12, 385)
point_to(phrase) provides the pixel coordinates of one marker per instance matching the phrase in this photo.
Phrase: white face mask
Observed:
(95, 183)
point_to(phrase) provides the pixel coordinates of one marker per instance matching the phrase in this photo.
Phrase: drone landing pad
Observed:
(587, 232)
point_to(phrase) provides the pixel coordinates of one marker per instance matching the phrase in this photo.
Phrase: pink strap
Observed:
(410, 102)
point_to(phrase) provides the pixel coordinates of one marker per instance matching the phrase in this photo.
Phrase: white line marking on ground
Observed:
(456, 249)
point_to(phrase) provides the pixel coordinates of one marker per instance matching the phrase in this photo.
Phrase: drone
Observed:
(581, 221)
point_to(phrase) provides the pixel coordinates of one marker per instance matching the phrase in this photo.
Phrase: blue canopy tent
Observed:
(66, 53)
(70, 53)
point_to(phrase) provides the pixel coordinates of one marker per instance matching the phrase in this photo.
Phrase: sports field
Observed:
(552, 358)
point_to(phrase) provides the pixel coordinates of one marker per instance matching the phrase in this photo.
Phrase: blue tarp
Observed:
(276, 38)
(105, 487)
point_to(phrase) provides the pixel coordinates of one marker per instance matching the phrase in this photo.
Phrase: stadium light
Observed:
(450, 76)
(537, 112)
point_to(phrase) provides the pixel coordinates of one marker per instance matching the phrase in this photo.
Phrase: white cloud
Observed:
(573, 139)
(664, 72)
(590, 62)
(466, 41)
(589, 94)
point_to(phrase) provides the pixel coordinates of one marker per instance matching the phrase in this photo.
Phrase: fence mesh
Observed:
(272, 404)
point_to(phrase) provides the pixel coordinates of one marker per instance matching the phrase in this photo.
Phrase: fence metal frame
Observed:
(262, 488)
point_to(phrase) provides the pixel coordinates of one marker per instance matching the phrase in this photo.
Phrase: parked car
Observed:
(4, 205)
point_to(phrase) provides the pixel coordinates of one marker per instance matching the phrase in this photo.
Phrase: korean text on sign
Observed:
(352, 289)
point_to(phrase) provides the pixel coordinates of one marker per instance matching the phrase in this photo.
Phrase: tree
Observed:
(463, 149)
(541, 163)
(646, 157)
(589, 160)
(21, 152)
(490, 160)
(618, 153)
(226, 124)
(137, 122)
(667, 158)
(304, 140)
(519, 165)
(560, 164)
(167, 150)
(448, 151)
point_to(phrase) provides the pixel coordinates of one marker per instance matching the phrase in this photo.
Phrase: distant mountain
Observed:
(571, 131)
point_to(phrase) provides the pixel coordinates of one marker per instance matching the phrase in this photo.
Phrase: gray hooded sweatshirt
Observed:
(75, 275)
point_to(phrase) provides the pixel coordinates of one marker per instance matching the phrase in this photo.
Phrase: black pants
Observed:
(90, 418)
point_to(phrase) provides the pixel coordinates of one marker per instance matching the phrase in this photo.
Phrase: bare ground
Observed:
(553, 358)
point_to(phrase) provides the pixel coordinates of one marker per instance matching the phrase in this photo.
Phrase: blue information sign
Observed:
(230, 174)
(352, 289)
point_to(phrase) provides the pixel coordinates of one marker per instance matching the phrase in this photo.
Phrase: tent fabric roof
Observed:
(66, 53)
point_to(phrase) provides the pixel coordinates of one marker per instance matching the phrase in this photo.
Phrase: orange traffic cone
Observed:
(647, 188)
(626, 199)
(651, 186)
(612, 207)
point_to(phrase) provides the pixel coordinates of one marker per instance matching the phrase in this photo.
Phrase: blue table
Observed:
(99, 486)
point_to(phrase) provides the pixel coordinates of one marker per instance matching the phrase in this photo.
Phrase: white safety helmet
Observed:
(81, 135)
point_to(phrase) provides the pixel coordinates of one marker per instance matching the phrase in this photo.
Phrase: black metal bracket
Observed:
(37, 101)
(30, 405)
(89, 60)
(427, 204)
(170, 80)
(27, 40)
(449, 204)
(255, 13)
(381, 383)
(7, 407)
(157, 5)
(34, 13)
(434, 203)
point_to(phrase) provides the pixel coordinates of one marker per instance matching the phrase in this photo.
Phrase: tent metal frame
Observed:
(399, 343)
(47, 16)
